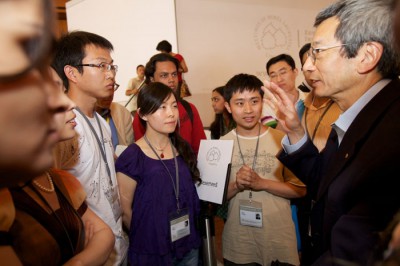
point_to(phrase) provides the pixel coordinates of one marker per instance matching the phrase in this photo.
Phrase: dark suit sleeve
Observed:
(305, 163)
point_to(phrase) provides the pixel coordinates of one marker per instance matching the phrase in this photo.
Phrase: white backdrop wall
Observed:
(221, 38)
(134, 27)
(218, 38)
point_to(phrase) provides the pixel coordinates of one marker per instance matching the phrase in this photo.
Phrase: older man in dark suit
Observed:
(353, 181)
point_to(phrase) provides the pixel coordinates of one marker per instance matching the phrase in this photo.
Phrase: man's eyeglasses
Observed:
(314, 52)
(103, 66)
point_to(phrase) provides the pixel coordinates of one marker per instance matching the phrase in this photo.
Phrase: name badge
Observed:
(250, 213)
(179, 225)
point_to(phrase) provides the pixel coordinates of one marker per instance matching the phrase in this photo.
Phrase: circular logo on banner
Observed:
(272, 35)
(213, 155)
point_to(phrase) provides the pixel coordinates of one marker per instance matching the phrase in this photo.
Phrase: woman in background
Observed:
(157, 177)
(223, 122)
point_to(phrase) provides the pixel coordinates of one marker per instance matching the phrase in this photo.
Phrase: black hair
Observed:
(164, 46)
(282, 57)
(71, 51)
(306, 47)
(241, 83)
(150, 98)
(216, 127)
(150, 68)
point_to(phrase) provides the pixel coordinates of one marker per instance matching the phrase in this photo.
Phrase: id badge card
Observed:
(179, 225)
(250, 213)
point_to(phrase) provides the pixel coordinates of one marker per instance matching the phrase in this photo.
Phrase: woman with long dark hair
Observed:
(157, 177)
(223, 122)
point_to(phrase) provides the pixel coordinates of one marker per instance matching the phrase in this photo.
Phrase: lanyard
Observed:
(175, 184)
(102, 147)
(255, 153)
(318, 122)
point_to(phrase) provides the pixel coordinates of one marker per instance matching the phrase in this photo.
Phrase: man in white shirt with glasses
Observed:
(83, 60)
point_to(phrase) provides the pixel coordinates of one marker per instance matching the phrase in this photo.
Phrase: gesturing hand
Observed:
(285, 110)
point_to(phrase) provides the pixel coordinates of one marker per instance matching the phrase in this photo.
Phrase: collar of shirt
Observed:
(105, 113)
(302, 96)
(344, 121)
(309, 103)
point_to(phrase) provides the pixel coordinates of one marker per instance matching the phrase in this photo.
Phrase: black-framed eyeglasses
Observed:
(313, 52)
(103, 66)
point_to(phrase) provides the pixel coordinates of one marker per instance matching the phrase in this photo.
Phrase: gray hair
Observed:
(362, 21)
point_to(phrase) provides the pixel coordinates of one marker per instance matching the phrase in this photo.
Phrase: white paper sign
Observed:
(213, 161)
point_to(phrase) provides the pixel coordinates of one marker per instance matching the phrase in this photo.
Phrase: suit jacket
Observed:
(123, 122)
(356, 189)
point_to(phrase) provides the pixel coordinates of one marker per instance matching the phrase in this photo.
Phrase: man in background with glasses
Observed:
(353, 61)
(282, 70)
(83, 60)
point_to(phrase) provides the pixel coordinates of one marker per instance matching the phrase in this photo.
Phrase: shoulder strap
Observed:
(188, 109)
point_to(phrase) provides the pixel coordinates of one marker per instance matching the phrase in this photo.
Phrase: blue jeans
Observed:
(190, 259)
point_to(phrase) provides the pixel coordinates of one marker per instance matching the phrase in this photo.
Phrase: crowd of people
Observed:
(84, 181)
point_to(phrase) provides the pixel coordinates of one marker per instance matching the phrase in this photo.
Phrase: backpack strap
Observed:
(188, 109)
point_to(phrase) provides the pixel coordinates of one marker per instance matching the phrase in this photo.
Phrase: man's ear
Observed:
(296, 71)
(228, 107)
(151, 79)
(370, 54)
(70, 72)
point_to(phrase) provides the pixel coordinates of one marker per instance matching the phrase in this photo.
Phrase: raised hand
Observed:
(285, 110)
